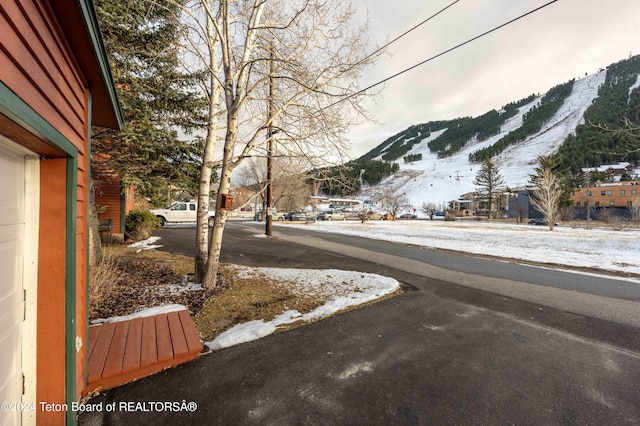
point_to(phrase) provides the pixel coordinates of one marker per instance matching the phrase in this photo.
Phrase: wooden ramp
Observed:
(124, 351)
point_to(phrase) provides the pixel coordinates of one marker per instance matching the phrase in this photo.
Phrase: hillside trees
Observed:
(489, 183)
(532, 121)
(346, 179)
(157, 96)
(399, 144)
(617, 107)
(273, 64)
(463, 130)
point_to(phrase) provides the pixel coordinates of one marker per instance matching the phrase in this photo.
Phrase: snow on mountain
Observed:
(439, 180)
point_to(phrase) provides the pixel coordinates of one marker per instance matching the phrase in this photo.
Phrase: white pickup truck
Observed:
(182, 211)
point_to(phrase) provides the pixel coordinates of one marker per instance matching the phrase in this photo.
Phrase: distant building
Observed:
(520, 206)
(613, 170)
(469, 204)
(615, 195)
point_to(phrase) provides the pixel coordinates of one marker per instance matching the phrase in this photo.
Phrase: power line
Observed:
(438, 55)
(409, 30)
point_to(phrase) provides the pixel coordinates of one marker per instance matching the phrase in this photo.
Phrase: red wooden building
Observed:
(55, 84)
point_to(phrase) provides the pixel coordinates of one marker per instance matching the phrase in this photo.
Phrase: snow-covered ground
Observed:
(600, 248)
(341, 290)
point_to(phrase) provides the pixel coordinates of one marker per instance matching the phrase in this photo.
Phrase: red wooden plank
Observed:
(100, 351)
(148, 346)
(178, 341)
(94, 332)
(190, 332)
(113, 363)
(163, 338)
(133, 349)
(150, 338)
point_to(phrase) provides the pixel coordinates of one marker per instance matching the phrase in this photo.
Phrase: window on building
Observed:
(577, 203)
(602, 192)
(634, 191)
(597, 203)
(590, 193)
(623, 192)
(612, 203)
(609, 192)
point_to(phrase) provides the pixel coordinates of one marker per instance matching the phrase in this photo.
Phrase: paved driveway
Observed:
(439, 355)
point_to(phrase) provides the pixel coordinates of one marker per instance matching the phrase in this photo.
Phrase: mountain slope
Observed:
(438, 180)
(439, 177)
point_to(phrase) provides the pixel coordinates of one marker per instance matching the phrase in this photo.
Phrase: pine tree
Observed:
(157, 97)
(489, 183)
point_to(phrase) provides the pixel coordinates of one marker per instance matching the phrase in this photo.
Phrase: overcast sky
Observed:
(562, 41)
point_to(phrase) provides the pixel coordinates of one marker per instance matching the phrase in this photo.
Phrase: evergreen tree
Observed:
(489, 183)
(157, 97)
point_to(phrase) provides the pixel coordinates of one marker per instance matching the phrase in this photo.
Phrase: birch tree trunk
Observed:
(318, 57)
(208, 157)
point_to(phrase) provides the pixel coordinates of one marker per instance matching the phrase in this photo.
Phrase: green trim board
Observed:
(18, 111)
(70, 287)
(93, 30)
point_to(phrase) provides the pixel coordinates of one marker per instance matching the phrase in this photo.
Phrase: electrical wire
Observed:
(408, 31)
(438, 55)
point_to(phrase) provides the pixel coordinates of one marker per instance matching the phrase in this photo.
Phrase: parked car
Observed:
(182, 211)
(407, 216)
(371, 216)
(388, 216)
(279, 216)
(331, 215)
(299, 215)
(540, 221)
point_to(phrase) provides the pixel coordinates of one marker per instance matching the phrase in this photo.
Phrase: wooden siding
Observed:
(38, 67)
(108, 198)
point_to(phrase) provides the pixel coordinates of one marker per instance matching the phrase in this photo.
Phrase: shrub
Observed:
(140, 224)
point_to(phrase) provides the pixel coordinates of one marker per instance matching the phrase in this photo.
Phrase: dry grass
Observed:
(127, 281)
(103, 280)
(243, 299)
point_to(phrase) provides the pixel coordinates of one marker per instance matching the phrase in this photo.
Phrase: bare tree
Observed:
(429, 209)
(273, 64)
(392, 202)
(634, 207)
(547, 195)
(289, 176)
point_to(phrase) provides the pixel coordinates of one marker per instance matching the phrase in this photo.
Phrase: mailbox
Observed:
(227, 202)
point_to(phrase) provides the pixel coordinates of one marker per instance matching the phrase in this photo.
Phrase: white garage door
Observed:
(13, 178)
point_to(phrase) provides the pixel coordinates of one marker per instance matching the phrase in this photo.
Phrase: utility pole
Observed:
(269, 218)
(588, 203)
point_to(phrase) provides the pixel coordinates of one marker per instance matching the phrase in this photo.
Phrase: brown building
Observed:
(617, 194)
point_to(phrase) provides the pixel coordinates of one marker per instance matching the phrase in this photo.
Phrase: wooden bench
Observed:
(124, 351)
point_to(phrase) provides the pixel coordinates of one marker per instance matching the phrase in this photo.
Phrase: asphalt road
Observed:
(450, 350)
